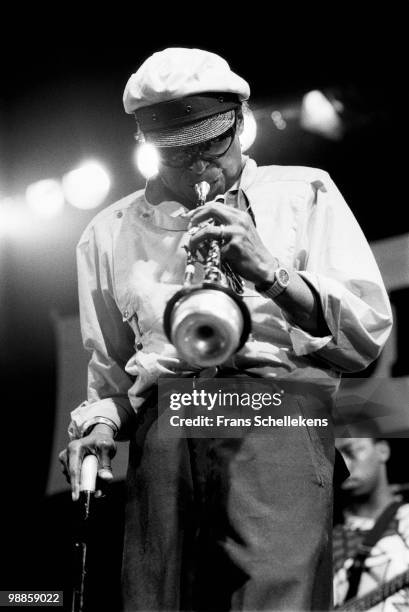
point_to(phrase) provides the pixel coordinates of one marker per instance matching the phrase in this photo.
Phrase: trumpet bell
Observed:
(207, 324)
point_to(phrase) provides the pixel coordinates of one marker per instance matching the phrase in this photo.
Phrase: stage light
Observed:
(45, 198)
(14, 220)
(249, 133)
(278, 120)
(86, 186)
(319, 115)
(147, 159)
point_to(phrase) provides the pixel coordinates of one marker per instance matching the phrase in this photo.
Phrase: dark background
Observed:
(62, 78)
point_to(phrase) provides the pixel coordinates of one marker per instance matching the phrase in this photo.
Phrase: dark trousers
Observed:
(229, 524)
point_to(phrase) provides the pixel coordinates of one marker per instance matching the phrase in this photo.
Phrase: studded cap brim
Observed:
(193, 133)
(171, 121)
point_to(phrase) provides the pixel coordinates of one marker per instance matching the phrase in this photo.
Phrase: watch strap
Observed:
(273, 291)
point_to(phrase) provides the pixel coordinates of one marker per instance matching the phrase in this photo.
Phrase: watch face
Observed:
(283, 277)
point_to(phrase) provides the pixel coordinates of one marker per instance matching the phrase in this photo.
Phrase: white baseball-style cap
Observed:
(184, 96)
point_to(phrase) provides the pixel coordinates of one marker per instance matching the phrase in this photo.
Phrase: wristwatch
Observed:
(279, 284)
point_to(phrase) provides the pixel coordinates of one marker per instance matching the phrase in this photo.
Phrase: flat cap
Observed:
(175, 73)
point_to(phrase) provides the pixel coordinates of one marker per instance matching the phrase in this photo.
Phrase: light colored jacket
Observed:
(131, 261)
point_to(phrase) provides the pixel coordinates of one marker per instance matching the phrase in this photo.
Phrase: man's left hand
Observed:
(241, 245)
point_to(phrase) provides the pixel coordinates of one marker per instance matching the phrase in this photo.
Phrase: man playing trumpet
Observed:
(230, 523)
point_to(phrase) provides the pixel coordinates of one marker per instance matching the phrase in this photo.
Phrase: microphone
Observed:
(89, 471)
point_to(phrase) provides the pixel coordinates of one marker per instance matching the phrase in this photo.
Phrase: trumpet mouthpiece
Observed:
(202, 189)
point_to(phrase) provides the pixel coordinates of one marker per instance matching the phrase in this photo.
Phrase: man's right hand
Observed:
(99, 442)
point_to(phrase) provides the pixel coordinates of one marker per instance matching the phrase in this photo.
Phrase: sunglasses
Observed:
(184, 157)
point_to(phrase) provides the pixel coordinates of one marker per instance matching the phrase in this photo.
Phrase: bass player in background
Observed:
(371, 546)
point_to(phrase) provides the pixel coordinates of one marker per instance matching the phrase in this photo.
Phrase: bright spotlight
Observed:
(248, 136)
(147, 159)
(319, 115)
(45, 198)
(86, 186)
(14, 220)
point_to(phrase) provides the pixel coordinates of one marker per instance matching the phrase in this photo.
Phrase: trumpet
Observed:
(207, 322)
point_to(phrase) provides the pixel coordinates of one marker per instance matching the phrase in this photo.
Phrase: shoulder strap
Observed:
(369, 541)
